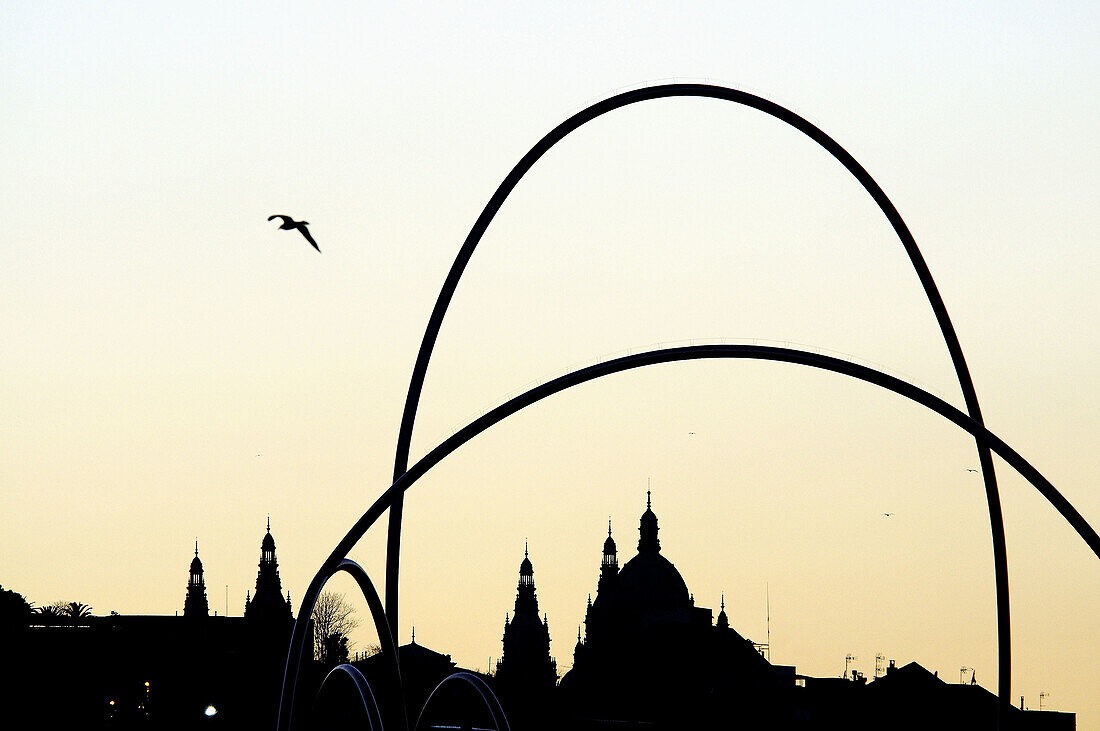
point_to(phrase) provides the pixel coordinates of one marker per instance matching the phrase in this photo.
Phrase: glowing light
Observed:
(210, 711)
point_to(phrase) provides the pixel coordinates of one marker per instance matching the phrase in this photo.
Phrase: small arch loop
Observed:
(488, 699)
(349, 675)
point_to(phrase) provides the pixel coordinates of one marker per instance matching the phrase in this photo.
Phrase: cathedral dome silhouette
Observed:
(649, 584)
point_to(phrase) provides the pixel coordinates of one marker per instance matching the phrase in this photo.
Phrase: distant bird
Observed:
(887, 515)
(290, 224)
(969, 469)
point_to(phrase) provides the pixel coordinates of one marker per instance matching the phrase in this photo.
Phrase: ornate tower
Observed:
(267, 603)
(723, 621)
(609, 567)
(525, 665)
(647, 538)
(195, 604)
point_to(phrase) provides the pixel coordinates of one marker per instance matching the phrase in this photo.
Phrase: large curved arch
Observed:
(962, 371)
(639, 360)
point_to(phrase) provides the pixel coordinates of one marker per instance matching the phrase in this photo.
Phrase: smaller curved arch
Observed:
(395, 706)
(363, 694)
(481, 688)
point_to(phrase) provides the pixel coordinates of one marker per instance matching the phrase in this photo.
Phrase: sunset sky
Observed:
(175, 367)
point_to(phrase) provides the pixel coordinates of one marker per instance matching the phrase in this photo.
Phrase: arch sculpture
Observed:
(404, 476)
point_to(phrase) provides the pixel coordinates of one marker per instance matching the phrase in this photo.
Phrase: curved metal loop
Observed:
(638, 360)
(395, 709)
(488, 699)
(367, 703)
(962, 371)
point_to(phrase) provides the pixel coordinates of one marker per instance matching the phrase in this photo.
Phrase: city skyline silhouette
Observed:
(149, 362)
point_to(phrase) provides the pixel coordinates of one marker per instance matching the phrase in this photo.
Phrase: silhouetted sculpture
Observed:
(290, 224)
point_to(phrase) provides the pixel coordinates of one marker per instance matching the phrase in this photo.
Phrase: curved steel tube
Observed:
(362, 688)
(492, 704)
(638, 360)
(378, 614)
(970, 397)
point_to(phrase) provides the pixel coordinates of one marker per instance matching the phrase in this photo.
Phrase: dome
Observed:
(650, 583)
(268, 542)
(525, 568)
(609, 544)
(196, 565)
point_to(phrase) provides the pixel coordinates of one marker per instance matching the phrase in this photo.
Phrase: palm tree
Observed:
(76, 611)
(48, 615)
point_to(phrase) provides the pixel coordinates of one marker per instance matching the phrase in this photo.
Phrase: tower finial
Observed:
(609, 526)
(648, 505)
(723, 601)
(269, 522)
(196, 548)
(414, 634)
(525, 548)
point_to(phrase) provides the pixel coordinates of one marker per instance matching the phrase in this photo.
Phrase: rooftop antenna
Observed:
(880, 665)
(768, 597)
(227, 600)
(847, 661)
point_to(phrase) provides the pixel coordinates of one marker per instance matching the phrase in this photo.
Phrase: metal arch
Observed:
(970, 396)
(492, 703)
(363, 690)
(638, 360)
(301, 627)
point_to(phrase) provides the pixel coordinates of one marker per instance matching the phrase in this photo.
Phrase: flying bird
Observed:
(290, 224)
(970, 469)
(887, 515)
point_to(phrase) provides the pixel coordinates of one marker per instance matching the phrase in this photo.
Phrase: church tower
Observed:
(609, 567)
(267, 604)
(195, 604)
(525, 664)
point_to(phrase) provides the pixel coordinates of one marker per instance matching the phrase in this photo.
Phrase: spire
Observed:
(269, 522)
(195, 604)
(414, 633)
(723, 621)
(647, 542)
(609, 566)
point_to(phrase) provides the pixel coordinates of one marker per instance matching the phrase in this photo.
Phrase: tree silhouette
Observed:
(73, 613)
(15, 610)
(333, 620)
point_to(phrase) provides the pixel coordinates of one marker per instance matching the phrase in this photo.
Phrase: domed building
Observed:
(646, 643)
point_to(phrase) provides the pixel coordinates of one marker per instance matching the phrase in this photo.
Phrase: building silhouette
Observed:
(267, 606)
(650, 658)
(158, 671)
(195, 604)
(526, 662)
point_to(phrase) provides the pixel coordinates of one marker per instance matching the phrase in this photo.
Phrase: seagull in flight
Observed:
(290, 224)
(887, 515)
(970, 469)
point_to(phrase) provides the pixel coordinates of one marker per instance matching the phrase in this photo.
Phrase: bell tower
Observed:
(195, 605)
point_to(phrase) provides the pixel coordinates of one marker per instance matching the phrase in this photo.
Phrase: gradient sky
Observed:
(158, 333)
